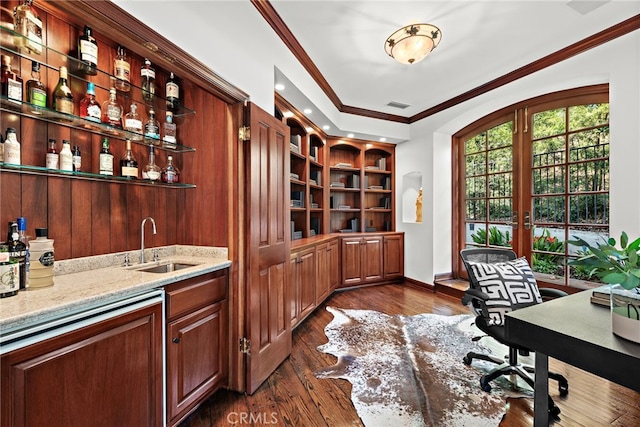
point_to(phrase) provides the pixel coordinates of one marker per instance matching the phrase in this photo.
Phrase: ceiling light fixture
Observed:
(411, 44)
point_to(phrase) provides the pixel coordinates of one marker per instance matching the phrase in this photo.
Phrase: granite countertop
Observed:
(84, 283)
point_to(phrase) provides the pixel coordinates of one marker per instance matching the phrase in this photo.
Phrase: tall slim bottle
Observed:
(172, 93)
(106, 159)
(62, 96)
(122, 70)
(88, 52)
(17, 252)
(36, 90)
(22, 236)
(128, 163)
(148, 79)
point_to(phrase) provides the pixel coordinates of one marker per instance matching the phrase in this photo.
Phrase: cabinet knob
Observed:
(176, 340)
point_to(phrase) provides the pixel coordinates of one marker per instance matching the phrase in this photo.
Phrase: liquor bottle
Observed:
(52, 155)
(89, 106)
(152, 128)
(133, 123)
(62, 96)
(106, 159)
(11, 148)
(172, 93)
(88, 52)
(66, 156)
(17, 252)
(148, 79)
(43, 256)
(151, 171)
(22, 236)
(76, 159)
(9, 273)
(122, 70)
(1, 147)
(28, 25)
(112, 112)
(11, 82)
(170, 173)
(36, 90)
(128, 163)
(170, 131)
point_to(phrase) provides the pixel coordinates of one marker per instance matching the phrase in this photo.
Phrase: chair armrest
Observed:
(551, 293)
(474, 294)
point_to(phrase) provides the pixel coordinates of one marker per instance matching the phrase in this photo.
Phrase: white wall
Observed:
(233, 39)
(429, 151)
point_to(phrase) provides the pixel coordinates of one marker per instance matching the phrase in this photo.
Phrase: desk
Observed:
(572, 330)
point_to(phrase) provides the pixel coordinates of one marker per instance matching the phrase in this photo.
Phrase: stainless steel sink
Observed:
(165, 268)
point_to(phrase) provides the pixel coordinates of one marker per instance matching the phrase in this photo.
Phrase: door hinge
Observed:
(244, 133)
(245, 346)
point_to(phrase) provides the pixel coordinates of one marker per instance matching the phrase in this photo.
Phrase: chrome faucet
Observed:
(142, 260)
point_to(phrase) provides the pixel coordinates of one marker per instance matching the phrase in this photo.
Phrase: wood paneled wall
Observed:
(95, 217)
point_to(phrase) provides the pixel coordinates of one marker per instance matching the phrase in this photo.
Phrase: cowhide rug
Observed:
(408, 370)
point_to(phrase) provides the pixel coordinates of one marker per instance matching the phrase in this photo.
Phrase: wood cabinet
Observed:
(362, 260)
(196, 343)
(303, 284)
(393, 256)
(108, 373)
(327, 272)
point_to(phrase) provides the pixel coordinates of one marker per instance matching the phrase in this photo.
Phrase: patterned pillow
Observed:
(510, 285)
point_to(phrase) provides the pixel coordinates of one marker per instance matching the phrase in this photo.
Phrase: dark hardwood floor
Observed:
(293, 396)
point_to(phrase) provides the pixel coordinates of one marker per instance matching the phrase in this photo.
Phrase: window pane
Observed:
(586, 116)
(500, 185)
(476, 187)
(589, 176)
(548, 180)
(500, 210)
(501, 135)
(549, 151)
(476, 165)
(547, 123)
(548, 210)
(500, 160)
(589, 144)
(589, 209)
(547, 242)
(476, 144)
(476, 209)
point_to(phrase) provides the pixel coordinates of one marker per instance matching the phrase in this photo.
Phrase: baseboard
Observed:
(419, 284)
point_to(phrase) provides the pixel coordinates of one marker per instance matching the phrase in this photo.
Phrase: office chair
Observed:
(499, 282)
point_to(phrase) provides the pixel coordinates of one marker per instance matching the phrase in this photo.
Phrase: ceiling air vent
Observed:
(399, 105)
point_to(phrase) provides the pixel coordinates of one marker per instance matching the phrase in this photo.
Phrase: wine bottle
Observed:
(170, 173)
(105, 159)
(76, 159)
(88, 52)
(36, 90)
(89, 107)
(128, 163)
(151, 171)
(17, 252)
(11, 82)
(62, 96)
(170, 138)
(112, 112)
(148, 78)
(122, 70)
(172, 93)
(52, 155)
(28, 25)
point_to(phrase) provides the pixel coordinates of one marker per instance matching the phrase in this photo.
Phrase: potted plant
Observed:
(620, 268)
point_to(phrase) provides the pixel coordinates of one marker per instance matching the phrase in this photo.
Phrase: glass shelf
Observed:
(38, 170)
(62, 59)
(46, 114)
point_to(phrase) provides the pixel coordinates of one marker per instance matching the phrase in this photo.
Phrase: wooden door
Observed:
(372, 260)
(393, 256)
(351, 261)
(268, 311)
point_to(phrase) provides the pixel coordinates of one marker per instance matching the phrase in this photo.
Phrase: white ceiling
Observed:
(481, 41)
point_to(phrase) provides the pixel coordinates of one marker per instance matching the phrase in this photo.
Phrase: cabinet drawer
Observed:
(188, 295)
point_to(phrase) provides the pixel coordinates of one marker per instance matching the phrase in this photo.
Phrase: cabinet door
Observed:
(334, 263)
(295, 288)
(323, 286)
(393, 256)
(307, 282)
(109, 374)
(351, 261)
(196, 351)
(372, 259)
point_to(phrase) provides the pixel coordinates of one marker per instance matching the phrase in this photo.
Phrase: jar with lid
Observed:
(42, 260)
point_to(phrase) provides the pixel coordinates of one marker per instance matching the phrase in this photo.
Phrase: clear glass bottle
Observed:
(122, 70)
(170, 173)
(17, 252)
(89, 106)
(105, 159)
(11, 148)
(170, 131)
(76, 159)
(52, 155)
(128, 163)
(66, 156)
(172, 93)
(148, 81)
(28, 24)
(133, 123)
(36, 90)
(151, 171)
(62, 96)
(112, 112)
(152, 129)
(88, 52)
(11, 82)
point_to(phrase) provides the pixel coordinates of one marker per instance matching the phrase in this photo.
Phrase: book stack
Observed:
(337, 184)
(315, 177)
(343, 165)
(313, 153)
(353, 181)
(601, 296)
(381, 163)
(295, 143)
(294, 175)
(385, 202)
(297, 199)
